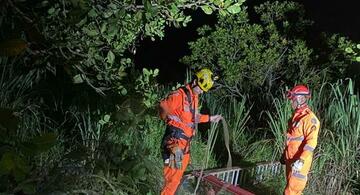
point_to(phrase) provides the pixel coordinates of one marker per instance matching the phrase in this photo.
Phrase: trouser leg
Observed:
(172, 177)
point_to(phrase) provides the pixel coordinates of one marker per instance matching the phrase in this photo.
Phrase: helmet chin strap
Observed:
(299, 104)
(193, 88)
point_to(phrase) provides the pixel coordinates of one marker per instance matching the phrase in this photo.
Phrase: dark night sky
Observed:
(340, 17)
(165, 54)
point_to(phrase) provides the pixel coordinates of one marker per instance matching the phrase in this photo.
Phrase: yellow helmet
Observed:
(204, 79)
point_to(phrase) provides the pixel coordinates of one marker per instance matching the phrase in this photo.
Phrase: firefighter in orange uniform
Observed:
(302, 135)
(180, 111)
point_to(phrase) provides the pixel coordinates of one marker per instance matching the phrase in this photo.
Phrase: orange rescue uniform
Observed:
(301, 141)
(181, 111)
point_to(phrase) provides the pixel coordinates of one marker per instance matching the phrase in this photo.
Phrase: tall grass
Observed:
(16, 95)
(24, 121)
(337, 169)
(237, 116)
(278, 124)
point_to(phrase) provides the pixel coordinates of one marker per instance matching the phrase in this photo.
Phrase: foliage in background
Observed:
(65, 49)
(26, 133)
(352, 49)
(93, 42)
(261, 56)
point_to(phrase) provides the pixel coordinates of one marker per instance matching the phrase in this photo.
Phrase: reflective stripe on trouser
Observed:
(296, 182)
(172, 177)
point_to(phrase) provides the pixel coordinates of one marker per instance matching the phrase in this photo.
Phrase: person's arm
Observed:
(204, 118)
(311, 130)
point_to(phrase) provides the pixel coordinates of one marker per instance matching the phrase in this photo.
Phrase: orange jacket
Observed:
(179, 113)
(302, 135)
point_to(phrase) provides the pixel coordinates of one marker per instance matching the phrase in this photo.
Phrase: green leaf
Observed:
(234, 9)
(106, 118)
(110, 57)
(358, 46)
(227, 3)
(180, 19)
(222, 12)
(112, 6)
(218, 2)
(174, 8)
(78, 79)
(92, 13)
(187, 19)
(146, 71)
(207, 9)
(103, 27)
(123, 91)
(108, 13)
(357, 59)
(51, 10)
(156, 72)
(82, 22)
(349, 50)
(139, 15)
(90, 32)
(7, 163)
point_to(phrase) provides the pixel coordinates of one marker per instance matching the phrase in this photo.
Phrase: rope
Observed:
(227, 142)
(210, 142)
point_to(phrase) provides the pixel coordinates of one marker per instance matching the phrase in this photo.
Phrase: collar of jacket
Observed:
(302, 109)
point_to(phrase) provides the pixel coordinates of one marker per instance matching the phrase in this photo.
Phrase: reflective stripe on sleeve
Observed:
(299, 175)
(309, 148)
(301, 138)
(173, 117)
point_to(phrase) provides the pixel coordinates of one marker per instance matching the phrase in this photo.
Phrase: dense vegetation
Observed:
(77, 117)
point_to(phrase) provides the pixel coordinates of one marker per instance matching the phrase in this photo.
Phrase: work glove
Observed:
(179, 155)
(297, 165)
(176, 157)
(172, 161)
(215, 118)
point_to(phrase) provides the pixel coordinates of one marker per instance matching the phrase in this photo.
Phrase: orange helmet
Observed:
(299, 90)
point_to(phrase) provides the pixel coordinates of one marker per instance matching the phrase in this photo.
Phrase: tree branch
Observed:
(19, 11)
